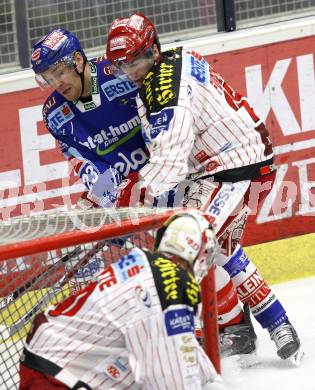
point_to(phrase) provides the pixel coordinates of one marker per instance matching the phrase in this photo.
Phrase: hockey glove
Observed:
(85, 203)
(130, 192)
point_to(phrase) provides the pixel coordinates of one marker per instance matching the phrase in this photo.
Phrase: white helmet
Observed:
(189, 235)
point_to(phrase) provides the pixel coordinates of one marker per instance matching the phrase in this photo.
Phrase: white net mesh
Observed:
(30, 283)
(44, 225)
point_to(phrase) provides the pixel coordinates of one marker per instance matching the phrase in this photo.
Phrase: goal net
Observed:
(45, 258)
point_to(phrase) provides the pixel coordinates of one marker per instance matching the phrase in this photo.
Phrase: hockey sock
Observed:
(229, 309)
(252, 288)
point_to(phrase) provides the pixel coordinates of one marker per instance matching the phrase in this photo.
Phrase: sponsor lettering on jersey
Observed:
(112, 372)
(129, 266)
(189, 352)
(48, 105)
(159, 86)
(134, 162)
(192, 290)
(94, 265)
(179, 321)
(159, 122)
(198, 69)
(107, 279)
(165, 84)
(170, 278)
(107, 70)
(117, 87)
(107, 140)
(173, 285)
(61, 115)
(219, 202)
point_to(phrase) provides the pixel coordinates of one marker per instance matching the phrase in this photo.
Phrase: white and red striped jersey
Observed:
(131, 329)
(195, 125)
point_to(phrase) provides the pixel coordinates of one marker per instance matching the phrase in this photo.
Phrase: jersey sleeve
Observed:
(170, 149)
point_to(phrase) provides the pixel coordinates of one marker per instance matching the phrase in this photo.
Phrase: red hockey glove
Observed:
(85, 203)
(128, 192)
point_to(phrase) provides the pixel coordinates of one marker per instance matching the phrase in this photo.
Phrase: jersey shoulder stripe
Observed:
(161, 86)
(174, 285)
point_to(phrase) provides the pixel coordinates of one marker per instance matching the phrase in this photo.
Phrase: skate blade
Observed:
(296, 358)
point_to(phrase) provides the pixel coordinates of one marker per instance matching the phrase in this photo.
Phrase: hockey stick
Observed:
(36, 279)
(7, 332)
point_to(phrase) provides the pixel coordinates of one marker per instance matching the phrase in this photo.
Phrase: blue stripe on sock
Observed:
(272, 317)
(237, 263)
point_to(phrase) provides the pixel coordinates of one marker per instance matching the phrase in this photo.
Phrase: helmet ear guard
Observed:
(182, 239)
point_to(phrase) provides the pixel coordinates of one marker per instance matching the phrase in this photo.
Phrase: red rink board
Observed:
(277, 78)
(280, 78)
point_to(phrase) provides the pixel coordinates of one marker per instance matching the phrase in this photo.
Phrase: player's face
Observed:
(138, 69)
(64, 79)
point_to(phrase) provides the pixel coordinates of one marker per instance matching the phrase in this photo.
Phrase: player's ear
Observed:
(156, 52)
(79, 61)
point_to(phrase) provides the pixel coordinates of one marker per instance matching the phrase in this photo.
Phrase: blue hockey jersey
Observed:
(104, 133)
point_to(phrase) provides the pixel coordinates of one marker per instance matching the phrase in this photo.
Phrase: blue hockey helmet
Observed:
(58, 45)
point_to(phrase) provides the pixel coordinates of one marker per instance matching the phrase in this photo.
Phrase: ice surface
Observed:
(272, 373)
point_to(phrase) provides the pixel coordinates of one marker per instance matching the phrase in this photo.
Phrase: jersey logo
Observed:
(198, 69)
(131, 163)
(161, 86)
(160, 122)
(129, 265)
(179, 321)
(117, 87)
(143, 296)
(61, 115)
(170, 280)
(94, 266)
(115, 368)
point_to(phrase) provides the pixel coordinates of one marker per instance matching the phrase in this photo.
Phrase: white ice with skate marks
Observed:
(272, 373)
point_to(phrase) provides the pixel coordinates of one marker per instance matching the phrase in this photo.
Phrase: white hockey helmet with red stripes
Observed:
(189, 235)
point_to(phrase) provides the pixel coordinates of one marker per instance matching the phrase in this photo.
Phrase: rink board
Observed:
(283, 260)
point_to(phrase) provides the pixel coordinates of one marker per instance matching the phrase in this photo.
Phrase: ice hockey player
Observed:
(201, 133)
(90, 113)
(133, 327)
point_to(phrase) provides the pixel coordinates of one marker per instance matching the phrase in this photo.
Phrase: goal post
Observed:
(44, 258)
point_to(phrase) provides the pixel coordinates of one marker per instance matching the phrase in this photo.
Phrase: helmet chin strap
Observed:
(82, 76)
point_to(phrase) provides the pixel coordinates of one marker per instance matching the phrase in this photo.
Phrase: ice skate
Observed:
(287, 342)
(239, 339)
